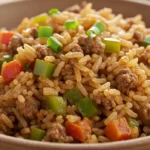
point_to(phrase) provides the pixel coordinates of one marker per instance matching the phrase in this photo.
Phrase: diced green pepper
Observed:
(146, 42)
(40, 18)
(43, 68)
(26, 66)
(112, 45)
(57, 104)
(86, 107)
(54, 44)
(37, 134)
(45, 31)
(7, 58)
(96, 30)
(71, 24)
(133, 122)
(73, 96)
(54, 11)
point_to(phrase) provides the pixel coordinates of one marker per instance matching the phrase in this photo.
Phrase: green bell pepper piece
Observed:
(73, 96)
(43, 68)
(37, 134)
(86, 107)
(57, 104)
(112, 45)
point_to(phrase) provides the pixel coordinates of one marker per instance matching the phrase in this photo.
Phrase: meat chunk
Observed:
(42, 51)
(29, 108)
(101, 99)
(77, 48)
(34, 32)
(75, 9)
(138, 37)
(144, 115)
(126, 80)
(145, 57)
(57, 133)
(15, 42)
(90, 46)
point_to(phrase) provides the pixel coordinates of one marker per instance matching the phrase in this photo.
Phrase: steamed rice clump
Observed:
(85, 91)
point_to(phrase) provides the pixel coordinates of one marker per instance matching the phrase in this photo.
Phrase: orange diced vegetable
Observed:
(79, 130)
(5, 37)
(11, 70)
(118, 130)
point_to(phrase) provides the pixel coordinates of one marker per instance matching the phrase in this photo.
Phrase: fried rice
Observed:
(115, 85)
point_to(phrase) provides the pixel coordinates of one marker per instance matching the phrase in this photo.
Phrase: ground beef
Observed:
(126, 80)
(29, 108)
(101, 99)
(34, 32)
(76, 48)
(15, 42)
(42, 51)
(144, 114)
(138, 37)
(57, 133)
(90, 46)
(74, 9)
(145, 56)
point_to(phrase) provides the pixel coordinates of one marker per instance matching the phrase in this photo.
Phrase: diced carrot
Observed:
(79, 130)
(11, 70)
(5, 37)
(118, 130)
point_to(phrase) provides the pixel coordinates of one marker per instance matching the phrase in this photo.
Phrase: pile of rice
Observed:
(95, 73)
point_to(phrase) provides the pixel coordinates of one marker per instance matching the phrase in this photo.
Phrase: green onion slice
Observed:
(45, 31)
(96, 30)
(112, 45)
(54, 44)
(40, 18)
(71, 24)
(54, 11)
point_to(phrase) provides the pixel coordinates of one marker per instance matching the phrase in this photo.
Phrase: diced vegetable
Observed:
(57, 104)
(134, 132)
(40, 18)
(37, 134)
(133, 122)
(54, 11)
(86, 107)
(26, 66)
(43, 68)
(112, 45)
(118, 130)
(73, 96)
(71, 24)
(7, 58)
(5, 37)
(96, 30)
(79, 130)
(11, 70)
(45, 31)
(54, 44)
(146, 42)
